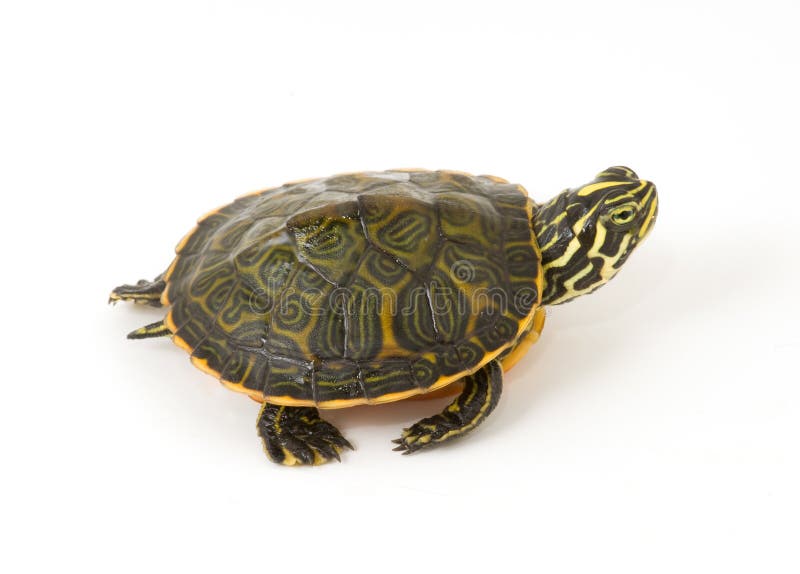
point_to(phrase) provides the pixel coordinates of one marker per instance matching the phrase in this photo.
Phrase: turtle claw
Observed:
(417, 436)
(403, 446)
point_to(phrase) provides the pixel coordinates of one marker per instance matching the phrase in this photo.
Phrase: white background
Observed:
(655, 426)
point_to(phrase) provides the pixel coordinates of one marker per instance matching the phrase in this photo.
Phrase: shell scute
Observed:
(381, 378)
(338, 380)
(330, 239)
(402, 226)
(287, 377)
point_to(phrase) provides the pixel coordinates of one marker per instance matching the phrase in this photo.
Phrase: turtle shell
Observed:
(358, 288)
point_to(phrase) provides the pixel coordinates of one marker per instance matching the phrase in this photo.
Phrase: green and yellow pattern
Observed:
(359, 288)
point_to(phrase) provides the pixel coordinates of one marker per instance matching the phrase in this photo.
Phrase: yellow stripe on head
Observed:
(599, 186)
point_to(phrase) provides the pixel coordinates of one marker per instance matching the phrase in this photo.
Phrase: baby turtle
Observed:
(368, 288)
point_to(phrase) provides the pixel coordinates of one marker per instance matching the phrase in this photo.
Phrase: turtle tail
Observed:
(157, 329)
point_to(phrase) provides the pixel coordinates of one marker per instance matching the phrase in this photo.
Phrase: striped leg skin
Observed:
(297, 435)
(481, 393)
(143, 293)
(157, 329)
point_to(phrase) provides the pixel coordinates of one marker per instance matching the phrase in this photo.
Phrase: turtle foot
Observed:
(144, 292)
(299, 436)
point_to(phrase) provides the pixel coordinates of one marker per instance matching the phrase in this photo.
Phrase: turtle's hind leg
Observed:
(479, 398)
(297, 435)
(143, 293)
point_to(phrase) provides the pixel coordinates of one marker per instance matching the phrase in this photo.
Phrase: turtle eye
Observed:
(623, 215)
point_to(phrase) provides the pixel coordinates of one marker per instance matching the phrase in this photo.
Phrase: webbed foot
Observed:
(480, 395)
(297, 435)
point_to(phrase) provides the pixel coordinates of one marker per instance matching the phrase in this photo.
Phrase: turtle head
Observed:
(586, 233)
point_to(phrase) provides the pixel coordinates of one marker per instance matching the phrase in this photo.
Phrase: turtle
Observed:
(372, 287)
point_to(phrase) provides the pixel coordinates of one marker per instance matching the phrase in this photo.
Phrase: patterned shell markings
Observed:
(359, 288)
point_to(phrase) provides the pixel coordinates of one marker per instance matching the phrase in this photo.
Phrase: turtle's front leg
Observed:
(297, 435)
(479, 398)
(144, 292)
